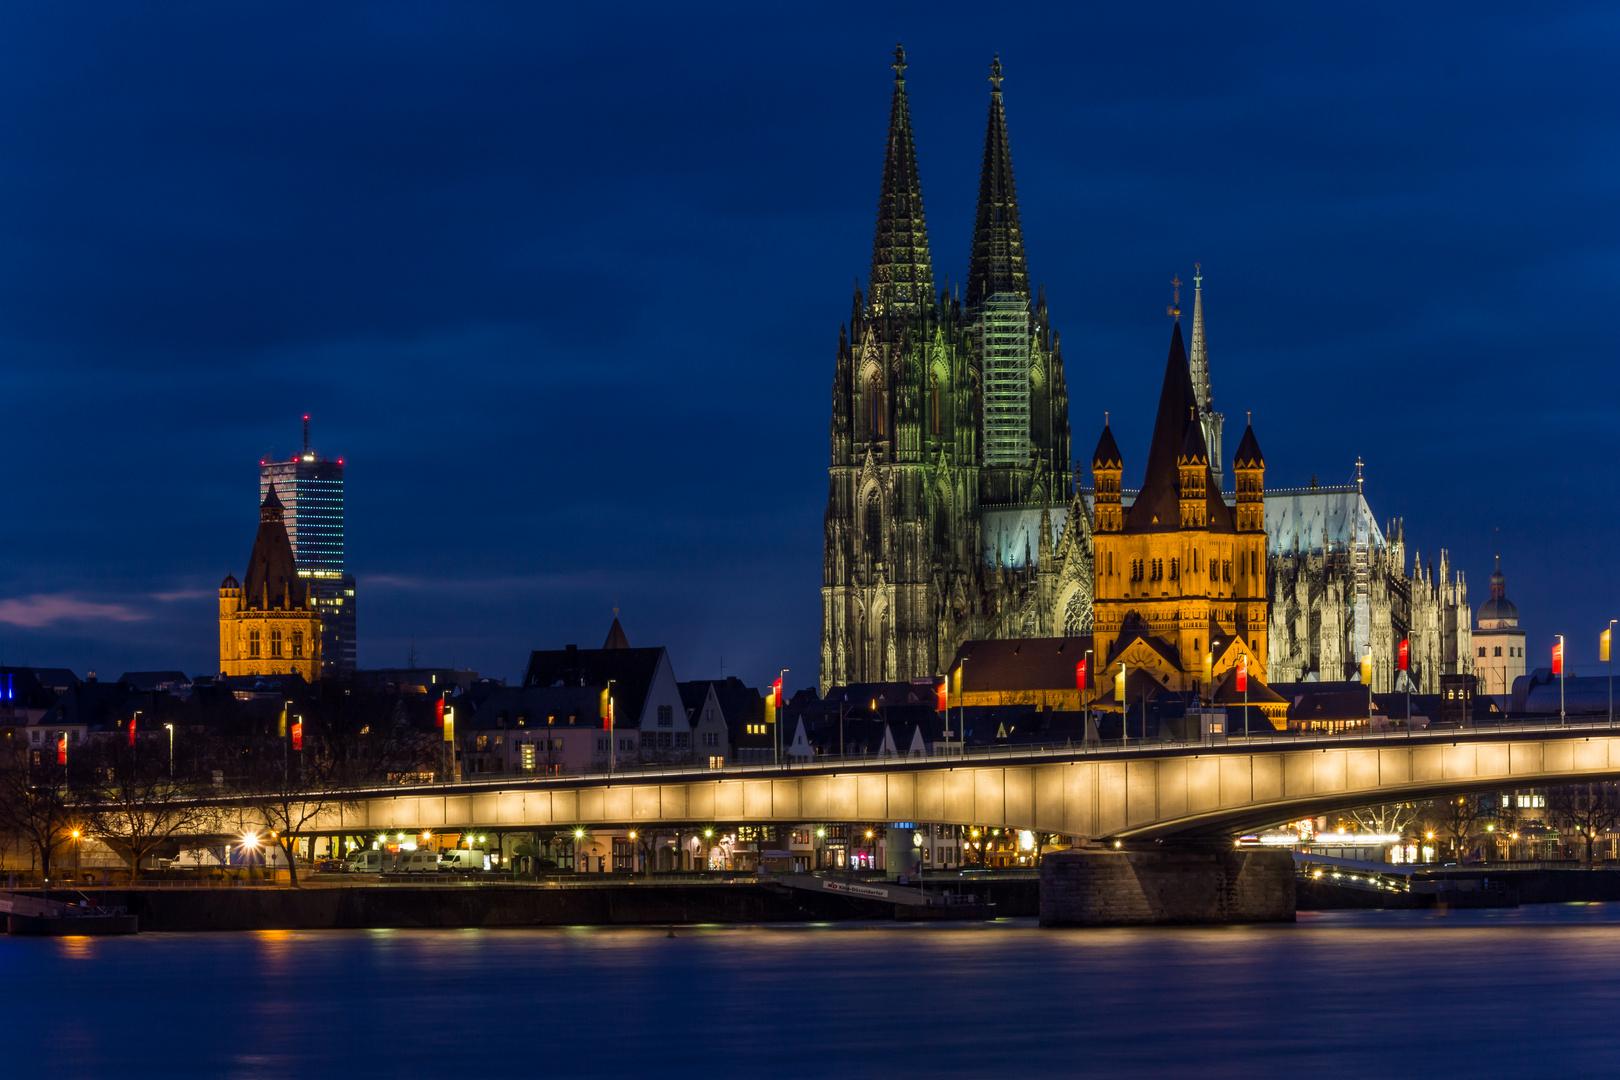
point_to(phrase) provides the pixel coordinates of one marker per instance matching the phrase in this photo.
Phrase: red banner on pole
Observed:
(942, 695)
(61, 749)
(132, 731)
(298, 735)
(1558, 658)
(1404, 655)
(1242, 674)
(1080, 675)
(438, 711)
(776, 690)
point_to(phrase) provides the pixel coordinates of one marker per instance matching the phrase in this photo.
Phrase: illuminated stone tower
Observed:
(268, 623)
(1179, 573)
(901, 538)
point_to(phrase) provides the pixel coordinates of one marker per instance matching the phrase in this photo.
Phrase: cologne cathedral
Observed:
(949, 483)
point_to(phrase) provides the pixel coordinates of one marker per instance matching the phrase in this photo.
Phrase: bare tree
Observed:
(136, 816)
(1390, 819)
(287, 796)
(1457, 818)
(1588, 810)
(34, 803)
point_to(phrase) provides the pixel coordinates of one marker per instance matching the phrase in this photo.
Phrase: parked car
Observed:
(462, 860)
(417, 862)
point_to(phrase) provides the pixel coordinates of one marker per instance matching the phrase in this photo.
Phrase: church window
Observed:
(1499, 650)
(1254, 564)
(1482, 650)
(874, 406)
(1226, 570)
(253, 643)
(275, 643)
(874, 530)
(298, 643)
(1175, 570)
(933, 410)
(1214, 570)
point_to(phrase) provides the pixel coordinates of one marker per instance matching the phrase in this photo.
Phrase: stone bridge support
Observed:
(1167, 884)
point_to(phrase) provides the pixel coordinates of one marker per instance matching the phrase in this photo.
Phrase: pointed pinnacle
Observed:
(995, 75)
(899, 64)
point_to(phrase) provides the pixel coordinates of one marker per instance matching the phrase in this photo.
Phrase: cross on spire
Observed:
(1174, 310)
(995, 74)
(899, 64)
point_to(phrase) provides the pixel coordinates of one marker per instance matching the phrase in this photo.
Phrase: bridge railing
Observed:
(1024, 751)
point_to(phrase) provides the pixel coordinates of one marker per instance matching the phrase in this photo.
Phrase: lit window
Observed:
(275, 643)
(253, 643)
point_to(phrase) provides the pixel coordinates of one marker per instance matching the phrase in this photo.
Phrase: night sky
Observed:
(563, 288)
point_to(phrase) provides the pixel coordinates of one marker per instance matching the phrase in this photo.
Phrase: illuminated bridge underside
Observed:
(1189, 792)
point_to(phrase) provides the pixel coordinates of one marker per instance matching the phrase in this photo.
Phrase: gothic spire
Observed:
(1198, 355)
(997, 265)
(902, 270)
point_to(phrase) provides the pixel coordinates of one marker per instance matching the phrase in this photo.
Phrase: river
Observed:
(1533, 991)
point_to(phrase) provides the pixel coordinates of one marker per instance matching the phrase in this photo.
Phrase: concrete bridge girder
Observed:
(1156, 794)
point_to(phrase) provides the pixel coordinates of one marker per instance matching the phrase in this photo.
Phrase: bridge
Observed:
(1129, 794)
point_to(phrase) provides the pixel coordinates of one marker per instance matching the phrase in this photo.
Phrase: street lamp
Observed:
(1608, 657)
(612, 734)
(1558, 669)
(170, 728)
(777, 712)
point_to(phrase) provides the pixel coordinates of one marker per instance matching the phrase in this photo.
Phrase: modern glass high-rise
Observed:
(310, 488)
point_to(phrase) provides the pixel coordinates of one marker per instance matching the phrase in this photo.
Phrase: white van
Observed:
(367, 862)
(417, 862)
(462, 860)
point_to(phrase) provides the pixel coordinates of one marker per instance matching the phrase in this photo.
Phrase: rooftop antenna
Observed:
(306, 433)
(1174, 310)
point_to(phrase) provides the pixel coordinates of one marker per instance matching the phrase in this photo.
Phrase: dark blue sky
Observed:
(563, 287)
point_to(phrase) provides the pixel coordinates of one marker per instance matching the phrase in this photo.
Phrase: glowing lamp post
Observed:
(1608, 658)
(170, 728)
(1558, 670)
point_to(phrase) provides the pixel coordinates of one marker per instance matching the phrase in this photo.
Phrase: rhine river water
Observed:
(1531, 992)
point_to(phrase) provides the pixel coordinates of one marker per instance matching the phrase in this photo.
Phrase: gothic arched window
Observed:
(874, 530)
(874, 406)
(933, 407)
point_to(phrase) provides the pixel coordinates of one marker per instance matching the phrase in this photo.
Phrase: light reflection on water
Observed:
(1494, 993)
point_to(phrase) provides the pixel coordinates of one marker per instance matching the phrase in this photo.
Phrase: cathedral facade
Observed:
(950, 513)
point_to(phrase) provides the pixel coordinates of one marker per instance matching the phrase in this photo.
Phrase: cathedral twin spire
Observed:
(902, 266)
(902, 269)
(997, 265)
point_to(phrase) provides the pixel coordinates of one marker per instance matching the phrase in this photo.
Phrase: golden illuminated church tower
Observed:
(268, 624)
(1180, 575)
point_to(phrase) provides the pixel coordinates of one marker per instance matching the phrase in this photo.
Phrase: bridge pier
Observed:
(1167, 885)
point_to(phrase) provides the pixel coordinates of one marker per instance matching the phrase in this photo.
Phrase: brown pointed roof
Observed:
(616, 638)
(1248, 454)
(1106, 456)
(272, 580)
(1157, 508)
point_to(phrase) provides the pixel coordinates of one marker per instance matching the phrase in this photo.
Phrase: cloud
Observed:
(185, 594)
(44, 609)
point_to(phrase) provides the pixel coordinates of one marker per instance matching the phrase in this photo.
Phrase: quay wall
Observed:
(505, 905)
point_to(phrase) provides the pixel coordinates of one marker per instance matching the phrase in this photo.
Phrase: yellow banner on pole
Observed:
(449, 723)
(1366, 669)
(1603, 645)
